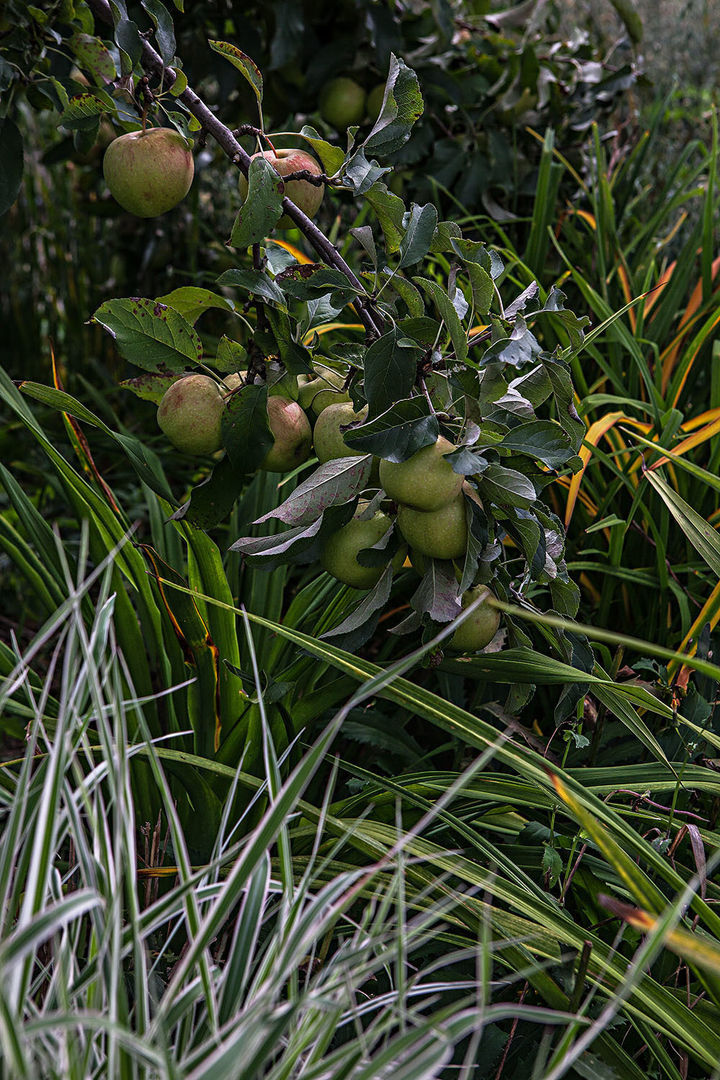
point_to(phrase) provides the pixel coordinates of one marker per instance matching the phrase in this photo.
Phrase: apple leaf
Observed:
(331, 156)
(449, 316)
(255, 283)
(151, 386)
(192, 301)
(361, 617)
(245, 430)
(398, 433)
(438, 594)
(332, 484)
(93, 57)
(164, 29)
(562, 388)
(211, 502)
(11, 163)
(149, 334)
(231, 356)
(243, 63)
(541, 440)
(262, 209)
(390, 211)
(527, 533)
(402, 106)
(390, 368)
(506, 487)
(302, 543)
(313, 280)
(419, 233)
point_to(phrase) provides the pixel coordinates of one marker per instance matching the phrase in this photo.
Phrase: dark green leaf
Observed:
(164, 29)
(418, 236)
(331, 156)
(404, 429)
(403, 105)
(192, 301)
(448, 314)
(246, 434)
(262, 209)
(541, 440)
(390, 368)
(254, 282)
(149, 334)
(506, 487)
(211, 502)
(93, 57)
(336, 482)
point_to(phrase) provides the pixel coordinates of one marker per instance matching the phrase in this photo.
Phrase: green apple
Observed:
(149, 172)
(342, 102)
(328, 439)
(292, 433)
(307, 197)
(441, 534)
(190, 412)
(339, 556)
(480, 628)
(326, 388)
(425, 481)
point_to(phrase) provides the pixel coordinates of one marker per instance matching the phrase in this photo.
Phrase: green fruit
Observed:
(149, 172)
(480, 628)
(342, 103)
(190, 412)
(374, 102)
(323, 390)
(292, 433)
(307, 197)
(425, 481)
(340, 553)
(441, 534)
(328, 439)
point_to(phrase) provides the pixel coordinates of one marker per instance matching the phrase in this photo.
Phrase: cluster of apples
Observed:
(425, 498)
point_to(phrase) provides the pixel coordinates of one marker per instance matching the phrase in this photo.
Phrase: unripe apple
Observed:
(480, 628)
(149, 172)
(342, 102)
(328, 439)
(340, 553)
(292, 433)
(441, 534)
(425, 481)
(325, 389)
(190, 412)
(307, 197)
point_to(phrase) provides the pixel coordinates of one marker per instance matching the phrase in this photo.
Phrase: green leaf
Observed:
(403, 105)
(331, 156)
(149, 334)
(192, 301)
(336, 482)
(398, 433)
(151, 386)
(164, 29)
(93, 57)
(246, 433)
(701, 535)
(11, 163)
(418, 236)
(507, 487)
(448, 314)
(254, 282)
(262, 208)
(390, 366)
(211, 502)
(390, 211)
(247, 67)
(541, 440)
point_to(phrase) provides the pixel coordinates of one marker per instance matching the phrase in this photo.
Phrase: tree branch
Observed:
(152, 61)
